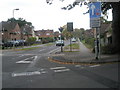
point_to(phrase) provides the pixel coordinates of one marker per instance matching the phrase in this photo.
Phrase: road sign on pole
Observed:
(95, 10)
(70, 26)
(95, 14)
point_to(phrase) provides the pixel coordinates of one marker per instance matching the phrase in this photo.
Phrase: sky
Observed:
(44, 16)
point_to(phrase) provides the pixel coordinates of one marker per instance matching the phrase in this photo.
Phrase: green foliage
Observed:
(108, 49)
(21, 22)
(90, 41)
(47, 40)
(31, 40)
(74, 46)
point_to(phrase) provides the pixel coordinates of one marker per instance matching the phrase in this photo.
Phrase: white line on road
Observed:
(77, 65)
(57, 68)
(26, 74)
(41, 50)
(95, 65)
(24, 61)
(54, 50)
(21, 55)
(62, 70)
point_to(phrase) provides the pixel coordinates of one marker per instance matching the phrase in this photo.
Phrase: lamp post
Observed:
(14, 10)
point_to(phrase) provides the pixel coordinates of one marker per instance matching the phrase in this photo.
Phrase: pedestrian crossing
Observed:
(60, 69)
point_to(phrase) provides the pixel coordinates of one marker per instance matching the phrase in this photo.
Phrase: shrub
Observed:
(108, 49)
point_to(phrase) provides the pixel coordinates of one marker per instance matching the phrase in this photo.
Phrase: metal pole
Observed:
(96, 46)
(99, 44)
(61, 43)
(70, 42)
(13, 13)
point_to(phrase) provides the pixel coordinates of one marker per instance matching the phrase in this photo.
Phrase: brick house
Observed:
(44, 33)
(10, 31)
(89, 33)
(56, 35)
(27, 32)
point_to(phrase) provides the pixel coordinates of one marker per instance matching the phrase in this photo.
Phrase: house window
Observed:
(47, 33)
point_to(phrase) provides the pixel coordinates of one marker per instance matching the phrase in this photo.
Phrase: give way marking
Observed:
(27, 61)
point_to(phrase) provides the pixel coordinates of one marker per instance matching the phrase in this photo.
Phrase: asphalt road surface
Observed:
(32, 69)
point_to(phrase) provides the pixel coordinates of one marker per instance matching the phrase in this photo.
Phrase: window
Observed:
(47, 33)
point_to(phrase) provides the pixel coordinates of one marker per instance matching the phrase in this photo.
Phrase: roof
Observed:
(104, 27)
(8, 25)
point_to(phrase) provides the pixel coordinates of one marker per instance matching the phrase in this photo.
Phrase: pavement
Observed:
(82, 56)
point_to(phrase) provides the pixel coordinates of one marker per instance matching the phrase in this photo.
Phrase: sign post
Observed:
(95, 14)
(70, 29)
(61, 29)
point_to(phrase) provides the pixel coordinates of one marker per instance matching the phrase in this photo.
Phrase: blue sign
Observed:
(95, 10)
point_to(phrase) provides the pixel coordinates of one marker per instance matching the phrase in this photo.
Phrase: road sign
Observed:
(60, 29)
(95, 23)
(95, 10)
(70, 26)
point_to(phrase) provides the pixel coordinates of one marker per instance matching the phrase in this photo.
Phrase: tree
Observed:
(115, 6)
(21, 22)
(65, 33)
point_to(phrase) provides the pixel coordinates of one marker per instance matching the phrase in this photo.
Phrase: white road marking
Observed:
(43, 72)
(41, 50)
(95, 65)
(26, 74)
(24, 61)
(62, 70)
(35, 58)
(77, 65)
(54, 50)
(57, 68)
(21, 55)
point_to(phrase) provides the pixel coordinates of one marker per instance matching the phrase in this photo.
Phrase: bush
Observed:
(47, 40)
(108, 49)
(31, 40)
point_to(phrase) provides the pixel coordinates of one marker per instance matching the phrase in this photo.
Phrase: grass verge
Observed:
(31, 48)
(74, 46)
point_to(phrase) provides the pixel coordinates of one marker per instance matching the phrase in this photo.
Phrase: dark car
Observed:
(11, 44)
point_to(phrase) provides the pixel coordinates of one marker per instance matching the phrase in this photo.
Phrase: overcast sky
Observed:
(44, 16)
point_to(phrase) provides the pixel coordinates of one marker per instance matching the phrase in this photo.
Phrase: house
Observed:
(10, 31)
(106, 33)
(27, 32)
(56, 35)
(89, 33)
(44, 33)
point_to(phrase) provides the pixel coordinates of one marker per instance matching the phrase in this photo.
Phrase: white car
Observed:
(60, 43)
(73, 40)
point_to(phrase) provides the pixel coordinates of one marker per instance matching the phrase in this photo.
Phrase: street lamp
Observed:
(14, 10)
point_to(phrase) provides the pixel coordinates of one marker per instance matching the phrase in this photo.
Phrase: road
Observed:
(32, 69)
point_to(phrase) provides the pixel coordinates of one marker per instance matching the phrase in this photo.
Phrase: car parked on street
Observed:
(73, 40)
(60, 43)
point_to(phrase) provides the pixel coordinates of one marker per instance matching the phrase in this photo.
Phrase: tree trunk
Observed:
(116, 26)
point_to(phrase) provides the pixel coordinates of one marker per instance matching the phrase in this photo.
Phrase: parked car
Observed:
(11, 44)
(21, 42)
(73, 40)
(60, 43)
